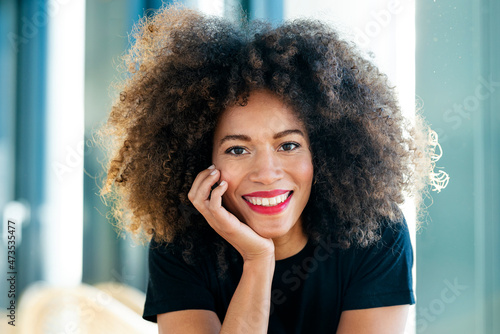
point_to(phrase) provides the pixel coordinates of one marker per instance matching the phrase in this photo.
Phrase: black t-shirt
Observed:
(309, 291)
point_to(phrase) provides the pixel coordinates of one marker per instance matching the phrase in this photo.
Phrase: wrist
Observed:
(262, 263)
(264, 256)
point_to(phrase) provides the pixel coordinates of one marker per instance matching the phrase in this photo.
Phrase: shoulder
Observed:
(208, 260)
(380, 274)
(176, 281)
(173, 261)
(179, 254)
(393, 237)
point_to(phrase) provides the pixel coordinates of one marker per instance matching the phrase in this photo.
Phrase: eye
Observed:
(236, 150)
(289, 146)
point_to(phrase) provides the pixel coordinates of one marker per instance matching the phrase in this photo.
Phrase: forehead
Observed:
(265, 113)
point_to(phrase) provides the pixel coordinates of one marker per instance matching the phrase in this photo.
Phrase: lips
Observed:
(267, 194)
(268, 202)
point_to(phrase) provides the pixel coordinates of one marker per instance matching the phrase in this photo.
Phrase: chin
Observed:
(271, 232)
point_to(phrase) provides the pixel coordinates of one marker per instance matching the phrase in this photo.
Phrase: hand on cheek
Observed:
(209, 203)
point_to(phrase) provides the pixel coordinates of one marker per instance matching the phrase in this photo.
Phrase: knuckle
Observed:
(213, 206)
(217, 192)
(196, 203)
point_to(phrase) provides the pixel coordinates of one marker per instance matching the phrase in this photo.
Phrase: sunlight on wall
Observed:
(62, 224)
(212, 7)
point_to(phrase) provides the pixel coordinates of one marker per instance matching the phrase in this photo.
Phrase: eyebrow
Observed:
(247, 138)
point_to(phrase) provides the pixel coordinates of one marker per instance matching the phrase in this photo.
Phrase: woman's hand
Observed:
(208, 202)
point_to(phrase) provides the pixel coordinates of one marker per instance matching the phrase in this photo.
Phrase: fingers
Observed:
(199, 179)
(216, 198)
(223, 221)
(200, 190)
(207, 201)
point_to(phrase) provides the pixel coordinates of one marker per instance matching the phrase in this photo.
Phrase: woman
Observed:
(266, 165)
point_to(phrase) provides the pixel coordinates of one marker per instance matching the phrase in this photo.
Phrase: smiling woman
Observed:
(267, 166)
(262, 152)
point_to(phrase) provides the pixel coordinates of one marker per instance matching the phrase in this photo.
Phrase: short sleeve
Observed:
(173, 284)
(381, 275)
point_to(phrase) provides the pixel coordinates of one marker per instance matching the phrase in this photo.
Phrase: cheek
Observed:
(232, 173)
(229, 199)
(303, 170)
(228, 175)
(308, 170)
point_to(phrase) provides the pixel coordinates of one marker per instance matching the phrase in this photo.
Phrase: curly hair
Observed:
(184, 69)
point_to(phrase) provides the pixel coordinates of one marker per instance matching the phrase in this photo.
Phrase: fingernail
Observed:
(223, 183)
(211, 167)
(213, 172)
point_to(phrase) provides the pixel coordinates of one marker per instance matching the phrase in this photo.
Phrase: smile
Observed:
(268, 201)
(269, 205)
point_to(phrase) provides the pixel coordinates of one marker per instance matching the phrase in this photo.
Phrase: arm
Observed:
(248, 310)
(381, 276)
(379, 320)
(188, 321)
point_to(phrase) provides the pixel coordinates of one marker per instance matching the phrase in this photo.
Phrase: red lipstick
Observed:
(269, 210)
(267, 194)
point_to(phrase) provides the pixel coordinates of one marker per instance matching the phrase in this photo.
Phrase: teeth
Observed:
(268, 201)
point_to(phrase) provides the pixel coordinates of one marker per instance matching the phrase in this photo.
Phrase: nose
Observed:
(266, 168)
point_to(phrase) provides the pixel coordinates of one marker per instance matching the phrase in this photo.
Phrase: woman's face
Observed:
(262, 151)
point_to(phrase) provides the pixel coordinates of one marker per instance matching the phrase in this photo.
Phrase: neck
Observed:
(289, 245)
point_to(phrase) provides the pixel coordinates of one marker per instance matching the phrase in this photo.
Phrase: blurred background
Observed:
(57, 61)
